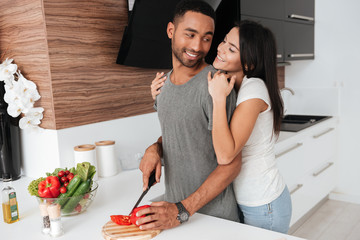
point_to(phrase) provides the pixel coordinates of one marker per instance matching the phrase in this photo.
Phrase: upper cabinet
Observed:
(301, 11)
(291, 21)
(263, 8)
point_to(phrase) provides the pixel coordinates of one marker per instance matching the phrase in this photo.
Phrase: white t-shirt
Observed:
(259, 181)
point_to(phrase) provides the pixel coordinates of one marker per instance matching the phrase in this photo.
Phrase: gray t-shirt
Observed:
(185, 114)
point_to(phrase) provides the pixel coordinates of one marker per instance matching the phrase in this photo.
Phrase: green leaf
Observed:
(33, 186)
(85, 170)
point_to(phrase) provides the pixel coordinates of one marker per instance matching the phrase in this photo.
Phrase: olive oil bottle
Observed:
(9, 202)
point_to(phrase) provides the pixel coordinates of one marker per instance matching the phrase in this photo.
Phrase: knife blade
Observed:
(151, 182)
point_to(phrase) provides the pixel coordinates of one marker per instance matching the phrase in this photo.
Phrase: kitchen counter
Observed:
(117, 195)
(284, 135)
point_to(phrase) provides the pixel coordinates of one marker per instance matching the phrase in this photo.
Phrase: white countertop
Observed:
(117, 195)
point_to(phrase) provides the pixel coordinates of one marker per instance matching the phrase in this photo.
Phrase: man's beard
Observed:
(178, 53)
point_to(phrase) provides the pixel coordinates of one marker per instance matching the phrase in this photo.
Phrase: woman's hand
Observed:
(219, 86)
(156, 84)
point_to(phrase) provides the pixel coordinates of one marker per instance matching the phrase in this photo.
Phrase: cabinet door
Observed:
(321, 146)
(300, 11)
(263, 8)
(289, 160)
(299, 41)
(277, 28)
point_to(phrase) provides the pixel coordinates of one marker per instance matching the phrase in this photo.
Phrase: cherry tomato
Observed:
(61, 174)
(121, 219)
(64, 179)
(66, 184)
(78, 208)
(133, 217)
(67, 172)
(63, 190)
(70, 176)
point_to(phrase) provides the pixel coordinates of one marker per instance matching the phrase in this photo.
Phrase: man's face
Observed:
(191, 37)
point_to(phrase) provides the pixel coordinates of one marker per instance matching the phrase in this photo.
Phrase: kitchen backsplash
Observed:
(46, 150)
(316, 101)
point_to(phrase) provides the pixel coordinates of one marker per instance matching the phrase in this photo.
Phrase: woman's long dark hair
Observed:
(258, 59)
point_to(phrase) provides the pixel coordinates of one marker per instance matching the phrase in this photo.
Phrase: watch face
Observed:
(184, 217)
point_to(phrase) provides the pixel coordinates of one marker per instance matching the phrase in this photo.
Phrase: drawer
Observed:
(311, 189)
(289, 161)
(321, 145)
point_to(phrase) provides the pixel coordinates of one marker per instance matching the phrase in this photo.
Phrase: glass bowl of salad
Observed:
(75, 204)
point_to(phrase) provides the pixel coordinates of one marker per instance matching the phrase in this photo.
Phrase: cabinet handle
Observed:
(279, 55)
(325, 132)
(301, 55)
(301, 17)
(297, 188)
(319, 172)
(288, 150)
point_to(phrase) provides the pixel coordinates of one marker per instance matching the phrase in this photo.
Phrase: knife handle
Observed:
(151, 179)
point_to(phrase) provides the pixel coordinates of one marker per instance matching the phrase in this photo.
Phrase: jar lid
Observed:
(105, 143)
(84, 147)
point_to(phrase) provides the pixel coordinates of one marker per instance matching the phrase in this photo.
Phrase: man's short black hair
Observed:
(195, 6)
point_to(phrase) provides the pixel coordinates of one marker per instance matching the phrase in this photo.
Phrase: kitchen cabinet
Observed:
(299, 41)
(292, 23)
(263, 8)
(300, 11)
(307, 162)
(299, 29)
(277, 28)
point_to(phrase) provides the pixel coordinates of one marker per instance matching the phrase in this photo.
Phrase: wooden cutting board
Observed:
(112, 231)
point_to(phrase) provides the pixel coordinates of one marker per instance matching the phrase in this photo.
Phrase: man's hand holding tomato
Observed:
(161, 215)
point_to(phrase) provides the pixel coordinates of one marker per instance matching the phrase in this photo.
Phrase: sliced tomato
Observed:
(133, 217)
(121, 219)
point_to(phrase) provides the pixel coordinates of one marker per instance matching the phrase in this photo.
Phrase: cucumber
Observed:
(71, 188)
(77, 196)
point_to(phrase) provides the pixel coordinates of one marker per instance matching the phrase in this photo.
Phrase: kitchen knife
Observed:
(151, 182)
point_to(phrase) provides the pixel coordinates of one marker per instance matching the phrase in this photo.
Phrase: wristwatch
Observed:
(183, 214)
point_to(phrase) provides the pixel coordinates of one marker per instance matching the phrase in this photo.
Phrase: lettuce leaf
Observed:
(85, 170)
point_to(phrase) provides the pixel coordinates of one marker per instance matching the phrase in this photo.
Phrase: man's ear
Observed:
(170, 30)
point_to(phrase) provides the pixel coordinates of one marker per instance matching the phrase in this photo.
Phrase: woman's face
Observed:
(228, 54)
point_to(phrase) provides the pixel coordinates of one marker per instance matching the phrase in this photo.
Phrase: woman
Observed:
(248, 57)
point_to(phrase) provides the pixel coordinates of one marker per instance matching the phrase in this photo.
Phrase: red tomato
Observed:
(61, 174)
(70, 176)
(63, 189)
(67, 172)
(121, 219)
(66, 184)
(64, 179)
(78, 208)
(133, 217)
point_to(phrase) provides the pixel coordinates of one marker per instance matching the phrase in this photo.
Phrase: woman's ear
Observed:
(251, 68)
(170, 30)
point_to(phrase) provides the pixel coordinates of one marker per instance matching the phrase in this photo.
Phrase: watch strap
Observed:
(182, 211)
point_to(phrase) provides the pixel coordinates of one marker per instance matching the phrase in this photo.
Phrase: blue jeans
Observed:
(273, 216)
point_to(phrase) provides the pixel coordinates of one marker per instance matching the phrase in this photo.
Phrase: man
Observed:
(193, 180)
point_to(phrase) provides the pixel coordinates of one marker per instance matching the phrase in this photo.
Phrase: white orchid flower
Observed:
(32, 118)
(26, 83)
(20, 95)
(27, 123)
(14, 110)
(7, 71)
(31, 95)
(10, 94)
